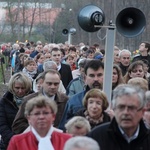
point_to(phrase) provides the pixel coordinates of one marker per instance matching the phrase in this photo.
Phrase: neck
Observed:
(144, 53)
(130, 132)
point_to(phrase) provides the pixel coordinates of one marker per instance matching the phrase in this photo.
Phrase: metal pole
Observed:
(108, 62)
(69, 38)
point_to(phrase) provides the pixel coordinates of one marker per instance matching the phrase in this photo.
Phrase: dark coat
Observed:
(109, 137)
(8, 111)
(66, 74)
(20, 123)
(106, 117)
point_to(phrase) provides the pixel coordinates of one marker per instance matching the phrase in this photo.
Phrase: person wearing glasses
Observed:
(127, 129)
(40, 112)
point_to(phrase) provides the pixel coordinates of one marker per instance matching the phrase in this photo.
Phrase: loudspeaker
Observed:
(130, 22)
(65, 32)
(89, 16)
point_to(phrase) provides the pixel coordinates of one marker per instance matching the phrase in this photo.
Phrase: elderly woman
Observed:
(40, 112)
(78, 126)
(95, 103)
(18, 86)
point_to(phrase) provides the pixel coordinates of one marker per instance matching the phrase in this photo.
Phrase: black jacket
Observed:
(106, 117)
(109, 137)
(8, 111)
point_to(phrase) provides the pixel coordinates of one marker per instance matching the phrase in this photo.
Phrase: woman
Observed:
(95, 103)
(18, 86)
(40, 112)
(117, 77)
(136, 69)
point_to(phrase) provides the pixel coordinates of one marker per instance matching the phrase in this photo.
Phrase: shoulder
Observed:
(61, 135)
(61, 97)
(77, 96)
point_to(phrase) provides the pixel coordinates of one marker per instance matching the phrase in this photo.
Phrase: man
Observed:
(81, 143)
(40, 112)
(49, 89)
(127, 130)
(94, 70)
(144, 48)
(64, 69)
(125, 57)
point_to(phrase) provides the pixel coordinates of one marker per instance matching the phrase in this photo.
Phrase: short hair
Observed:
(28, 61)
(128, 90)
(40, 101)
(49, 65)
(40, 76)
(84, 142)
(147, 45)
(142, 83)
(93, 64)
(51, 71)
(124, 50)
(96, 93)
(78, 122)
(21, 78)
(55, 49)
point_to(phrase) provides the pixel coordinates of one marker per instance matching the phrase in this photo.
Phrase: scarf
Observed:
(18, 100)
(92, 120)
(44, 142)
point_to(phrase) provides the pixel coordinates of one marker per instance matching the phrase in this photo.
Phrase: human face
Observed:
(41, 119)
(94, 107)
(142, 47)
(19, 89)
(137, 72)
(70, 61)
(41, 59)
(90, 55)
(31, 67)
(56, 56)
(125, 58)
(39, 84)
(127, 107)
(116, 56)
(146, 116)
(115, 76)
(47, 56)
(94, 79)
(76, 131)
(51, 84)
(40, 48)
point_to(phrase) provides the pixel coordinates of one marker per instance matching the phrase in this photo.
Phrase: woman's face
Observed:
(19, 89)
(137, 72)
(94, 107)
(41, 59)
(31, 67)
(115, 76)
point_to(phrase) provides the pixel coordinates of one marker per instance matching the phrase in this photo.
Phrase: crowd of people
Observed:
(55, 98)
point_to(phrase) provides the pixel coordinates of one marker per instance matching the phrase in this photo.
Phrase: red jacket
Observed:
(28, 141)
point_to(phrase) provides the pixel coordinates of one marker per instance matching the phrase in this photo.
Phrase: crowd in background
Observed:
(72, 77)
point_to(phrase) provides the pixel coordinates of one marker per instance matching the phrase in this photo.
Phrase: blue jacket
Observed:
(73, 105)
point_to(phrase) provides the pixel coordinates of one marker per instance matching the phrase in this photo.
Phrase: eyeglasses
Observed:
(37, 114)
(129, 108)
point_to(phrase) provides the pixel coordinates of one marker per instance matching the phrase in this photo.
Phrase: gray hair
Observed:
(49, 65)
(81, 142)
(126, 89)
(124, 50)
(147, 94)
(79, 122)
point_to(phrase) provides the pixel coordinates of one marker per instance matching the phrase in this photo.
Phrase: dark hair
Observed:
(147, 45)
(94, 64)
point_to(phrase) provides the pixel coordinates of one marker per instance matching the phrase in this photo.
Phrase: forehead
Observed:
(52, 76)
(142, 44)
(125, 54)
(56, 52)
(92, 71)
(128, 100)
(35, 108)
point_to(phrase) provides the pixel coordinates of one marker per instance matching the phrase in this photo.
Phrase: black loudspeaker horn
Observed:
(65, 32)
(130, 22)
(89, 16)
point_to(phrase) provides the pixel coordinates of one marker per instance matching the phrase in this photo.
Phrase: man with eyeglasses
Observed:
(127, 130)
(51, 80)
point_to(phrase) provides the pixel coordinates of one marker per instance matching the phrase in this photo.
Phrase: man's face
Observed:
(51, 84)
(56, 56)
(142, 47)
(125, 58)
(128, 113)
(94, 79)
